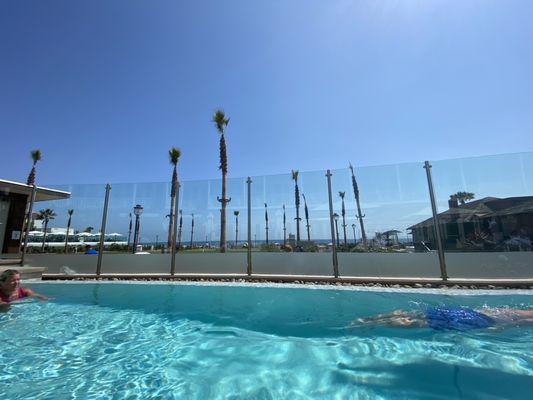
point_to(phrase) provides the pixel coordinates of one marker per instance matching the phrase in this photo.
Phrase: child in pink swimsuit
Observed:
(10, 289)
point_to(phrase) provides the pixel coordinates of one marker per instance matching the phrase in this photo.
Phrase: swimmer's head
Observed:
(9, 279)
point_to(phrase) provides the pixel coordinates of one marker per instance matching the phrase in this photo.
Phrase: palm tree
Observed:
(463, 197)
(307, 219)
(46, 215)
(284, 227)
(359, 215)
(180, 226)
(294, 174)
(174, 156)
(221, 122)
(89, 229)
(343, 213)
(36, 157)
(192, 231)
(266, 223)
(69, 212)
(236, 213)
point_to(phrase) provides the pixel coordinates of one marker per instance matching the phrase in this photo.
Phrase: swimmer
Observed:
(10, 289)
(450, 318)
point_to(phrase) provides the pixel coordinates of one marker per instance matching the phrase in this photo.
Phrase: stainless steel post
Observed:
(102, 231)
(442, 261)
(28, 223)
(249, 259)
(334, 248)
(175, 231)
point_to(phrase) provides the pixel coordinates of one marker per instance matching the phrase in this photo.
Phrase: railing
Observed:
(487, 236)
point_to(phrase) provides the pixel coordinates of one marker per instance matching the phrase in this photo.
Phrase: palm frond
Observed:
(294, 174)
(220, 120)
(36, 156)
(174, 155)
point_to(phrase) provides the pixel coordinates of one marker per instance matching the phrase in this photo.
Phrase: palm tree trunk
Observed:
(297, 203)
(44, 237)
(66, 236)
(172, 201)
(223, 216)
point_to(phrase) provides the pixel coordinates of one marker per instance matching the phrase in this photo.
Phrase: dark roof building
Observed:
(14, 198)
(486, 224)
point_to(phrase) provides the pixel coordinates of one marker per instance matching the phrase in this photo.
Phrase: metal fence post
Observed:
(102, 231)
(249, 258)
(28, 223)
(442, 261)
(175, 231)
(334, 248)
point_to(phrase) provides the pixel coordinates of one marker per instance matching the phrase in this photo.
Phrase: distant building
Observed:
(14, 199)
(487, 224)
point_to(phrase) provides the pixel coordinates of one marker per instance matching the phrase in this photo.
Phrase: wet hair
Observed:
(8, 273)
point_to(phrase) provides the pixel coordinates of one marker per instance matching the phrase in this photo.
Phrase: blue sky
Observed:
(104, 88)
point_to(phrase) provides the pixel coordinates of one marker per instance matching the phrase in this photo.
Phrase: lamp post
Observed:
(137, 210)
(354, 238)
(336, 218)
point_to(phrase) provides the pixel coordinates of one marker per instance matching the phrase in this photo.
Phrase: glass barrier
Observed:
(383, 223)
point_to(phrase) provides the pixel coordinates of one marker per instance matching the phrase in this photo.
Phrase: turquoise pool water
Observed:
(160, 341)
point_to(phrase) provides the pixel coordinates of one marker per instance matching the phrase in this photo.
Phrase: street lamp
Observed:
(354, 238)
(137, 210)
(336, 218)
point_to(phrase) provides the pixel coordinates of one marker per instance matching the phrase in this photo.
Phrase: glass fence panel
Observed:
(389, 203)
(485, 209)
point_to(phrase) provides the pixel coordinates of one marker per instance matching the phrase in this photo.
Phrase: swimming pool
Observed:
(186, 341)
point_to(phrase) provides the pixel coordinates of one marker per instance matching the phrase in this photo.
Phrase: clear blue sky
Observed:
(104, 88)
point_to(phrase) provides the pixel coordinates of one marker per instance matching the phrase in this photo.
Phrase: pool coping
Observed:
(417, 282)
(447, 290)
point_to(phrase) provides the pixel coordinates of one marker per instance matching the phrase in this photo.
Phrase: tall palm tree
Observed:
(360, 216)
(221, 122)
(307, 219)
(69, 212)
(294, 174)
(173, 156)
(266, 223)
(284, 227)
(36, 157)
(343, 213)
(46, 215)
(192, 231)
(236, 213)
(180, 227)
(463, 197)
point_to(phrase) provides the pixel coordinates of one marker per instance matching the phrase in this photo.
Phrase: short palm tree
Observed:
(192, 231)
(306, 211)
(463, 197)
(221, 122)
(89, 229)
(69, 212)
(343, 213)
(266, 223)
(236, 213)
(294, 174)
(284, 227)
(46, 215)
(360, 216)
(174, 156)
(180, 227)
(36, 157)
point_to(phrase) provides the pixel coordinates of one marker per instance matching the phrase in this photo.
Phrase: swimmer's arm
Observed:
(32, 294)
